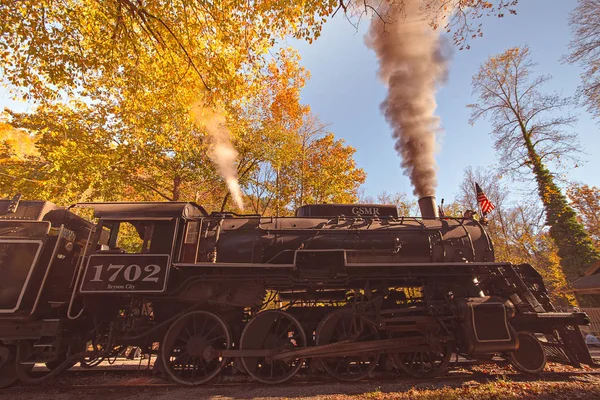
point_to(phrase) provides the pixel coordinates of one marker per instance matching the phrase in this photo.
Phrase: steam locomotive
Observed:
(342, 288)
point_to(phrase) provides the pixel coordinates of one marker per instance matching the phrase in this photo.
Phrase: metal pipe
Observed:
(428, 207)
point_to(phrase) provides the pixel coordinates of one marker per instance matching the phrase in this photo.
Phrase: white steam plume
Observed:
(411, 64)
(221, 150)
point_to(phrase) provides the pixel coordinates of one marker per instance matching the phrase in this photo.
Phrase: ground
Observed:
(580, 387)
(475, 382)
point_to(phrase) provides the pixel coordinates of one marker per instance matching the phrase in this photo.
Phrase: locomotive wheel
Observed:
(530, 357)
(274, 330)
(8, 372)
(187, 351)
(425, 364)
(344, 325)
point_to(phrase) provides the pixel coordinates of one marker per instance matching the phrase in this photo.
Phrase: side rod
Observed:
(339, 349)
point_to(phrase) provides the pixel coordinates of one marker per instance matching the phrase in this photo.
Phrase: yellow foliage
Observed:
(19, 144)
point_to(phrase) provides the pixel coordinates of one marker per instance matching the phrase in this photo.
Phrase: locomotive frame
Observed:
(355, 292)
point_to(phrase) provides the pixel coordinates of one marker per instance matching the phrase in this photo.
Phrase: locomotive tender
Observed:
(340, 288)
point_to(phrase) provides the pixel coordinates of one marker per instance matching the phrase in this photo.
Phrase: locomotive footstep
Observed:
(26, 358)
(530, 357)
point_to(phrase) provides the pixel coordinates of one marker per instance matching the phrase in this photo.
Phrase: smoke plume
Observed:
(221, 150)
(411, 63)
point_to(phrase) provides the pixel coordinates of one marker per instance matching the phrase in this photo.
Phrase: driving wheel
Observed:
(426, 364)
(343, 325)
(277, 331)
(188, 349)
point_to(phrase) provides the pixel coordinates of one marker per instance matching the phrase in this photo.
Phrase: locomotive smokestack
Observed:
(428, 207)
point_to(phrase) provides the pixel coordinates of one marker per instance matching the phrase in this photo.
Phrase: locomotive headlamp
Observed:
(69, 246)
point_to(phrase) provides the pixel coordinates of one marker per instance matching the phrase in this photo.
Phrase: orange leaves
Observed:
(277, 96)
(141, 66)
(331, 173)
(76, 42)
(19, 143)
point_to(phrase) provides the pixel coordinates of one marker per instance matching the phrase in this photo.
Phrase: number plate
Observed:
(125, 273)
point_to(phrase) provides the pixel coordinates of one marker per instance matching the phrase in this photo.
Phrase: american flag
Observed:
(484, 203)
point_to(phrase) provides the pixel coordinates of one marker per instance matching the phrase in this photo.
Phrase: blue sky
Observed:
(345, 92)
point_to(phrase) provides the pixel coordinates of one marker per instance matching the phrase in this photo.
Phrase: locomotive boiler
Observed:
(342, 288)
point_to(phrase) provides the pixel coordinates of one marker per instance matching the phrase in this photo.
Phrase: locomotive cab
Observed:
(134, 245)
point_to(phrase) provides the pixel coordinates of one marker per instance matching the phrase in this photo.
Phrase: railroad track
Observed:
(115, 378)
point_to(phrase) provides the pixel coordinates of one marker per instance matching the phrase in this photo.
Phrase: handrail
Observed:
(79, 269)
(52, 257)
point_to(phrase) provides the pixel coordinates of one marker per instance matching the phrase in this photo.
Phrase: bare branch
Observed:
(523, 119)
(585, 51)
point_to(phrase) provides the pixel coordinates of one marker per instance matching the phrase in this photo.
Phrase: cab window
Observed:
(134, 237)
(190, 241)
(138, 237)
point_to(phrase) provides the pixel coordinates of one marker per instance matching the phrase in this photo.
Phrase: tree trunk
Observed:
(224, 203)
(575, 247)
(176, 188)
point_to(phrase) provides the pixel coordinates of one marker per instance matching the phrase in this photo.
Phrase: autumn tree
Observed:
(52, 48)
(320, 169)
(49, 46)
(461, 18)
(517, 230)
(586, 201)
(73, 153)
(332, 175)
(137, 144)
(585, 51)
(529, 131)
(143, 143)
(498, 193)
(20, 163)
(404, 205)
(135, 68)
(489, 180)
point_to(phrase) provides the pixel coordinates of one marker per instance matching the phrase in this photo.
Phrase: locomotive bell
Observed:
(428, 207)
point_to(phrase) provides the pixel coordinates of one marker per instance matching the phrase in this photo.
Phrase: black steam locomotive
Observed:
(341, 288)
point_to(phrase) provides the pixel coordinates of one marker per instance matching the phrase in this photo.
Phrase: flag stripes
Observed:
(484, 203)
